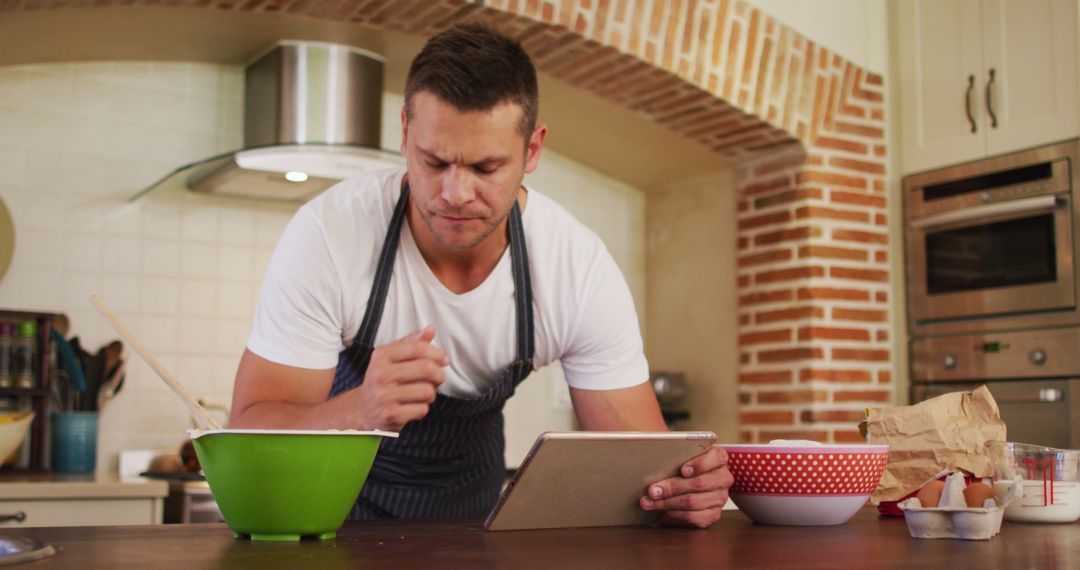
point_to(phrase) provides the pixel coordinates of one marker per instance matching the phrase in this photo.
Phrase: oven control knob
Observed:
(949, 361)
(1037, 356)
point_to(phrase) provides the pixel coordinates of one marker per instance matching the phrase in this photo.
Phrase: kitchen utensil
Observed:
(281, 485)
(67, 357)
(804, 485)
(204, 417)
(1051, 481)
(112, 386)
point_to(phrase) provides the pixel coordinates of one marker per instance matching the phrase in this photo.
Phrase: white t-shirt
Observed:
(317, 284)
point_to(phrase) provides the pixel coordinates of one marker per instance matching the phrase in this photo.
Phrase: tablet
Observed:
(582, 479)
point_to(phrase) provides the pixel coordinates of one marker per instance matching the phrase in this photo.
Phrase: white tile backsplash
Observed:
(234, 263)
(121, 292)
(234, 300)
(198, 298)
(42, 211)
(12, 167)
(183, 270)
(198, 260)
(199, 223)
(197, 335)
(84, 173)
(161, 220)
(160, 258)
(49, 88)
(79, 286)
(122, 255)
(14, 84)
(160, 296)
(158, 333)
(42, 173)
(41, 248)
(41, 131)
(237, 226)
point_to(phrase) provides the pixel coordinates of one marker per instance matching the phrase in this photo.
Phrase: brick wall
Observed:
(805, 125)
(813, 278)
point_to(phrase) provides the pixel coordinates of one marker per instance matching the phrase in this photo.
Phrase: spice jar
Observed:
(25, 339)
(7, 365)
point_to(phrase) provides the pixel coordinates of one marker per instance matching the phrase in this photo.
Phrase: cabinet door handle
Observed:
(18, 517)
(967, 101)
(989, 101)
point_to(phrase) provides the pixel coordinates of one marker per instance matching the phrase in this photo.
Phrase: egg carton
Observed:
(954, 519)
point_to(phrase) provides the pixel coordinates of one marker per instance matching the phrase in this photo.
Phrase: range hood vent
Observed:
(312, 117)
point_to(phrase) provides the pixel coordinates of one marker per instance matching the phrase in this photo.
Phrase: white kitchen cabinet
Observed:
(985, 77)
(82, 512)
(76, 500)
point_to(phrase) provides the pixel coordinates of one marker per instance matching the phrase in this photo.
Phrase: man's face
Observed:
(465, 169)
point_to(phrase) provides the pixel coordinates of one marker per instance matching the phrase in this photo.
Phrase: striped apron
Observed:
(449, 463)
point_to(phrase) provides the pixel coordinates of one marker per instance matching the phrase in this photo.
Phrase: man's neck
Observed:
(460, 271)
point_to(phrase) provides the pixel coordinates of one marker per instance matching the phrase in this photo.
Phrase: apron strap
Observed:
(519, 260)
(377, 299)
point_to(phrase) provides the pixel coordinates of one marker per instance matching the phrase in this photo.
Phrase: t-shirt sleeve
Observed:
(605, 352)
(298, 316)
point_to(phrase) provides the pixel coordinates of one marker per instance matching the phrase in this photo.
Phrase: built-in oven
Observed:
(990, 244)
(1034, 377)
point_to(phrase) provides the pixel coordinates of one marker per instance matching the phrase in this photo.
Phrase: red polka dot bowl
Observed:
(804, 485)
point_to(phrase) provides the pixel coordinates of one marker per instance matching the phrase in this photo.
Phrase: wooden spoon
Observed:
(202, 416)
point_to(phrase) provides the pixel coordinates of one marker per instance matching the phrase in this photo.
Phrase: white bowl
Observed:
(799, 511)
(12, 433)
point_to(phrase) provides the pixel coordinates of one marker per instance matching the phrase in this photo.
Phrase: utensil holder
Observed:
(74, 442)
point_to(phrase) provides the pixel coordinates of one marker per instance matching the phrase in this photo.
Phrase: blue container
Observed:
(74, 442)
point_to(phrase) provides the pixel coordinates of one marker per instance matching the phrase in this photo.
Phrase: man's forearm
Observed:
(288, 415)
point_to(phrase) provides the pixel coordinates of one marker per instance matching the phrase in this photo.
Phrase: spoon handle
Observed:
(201, 415)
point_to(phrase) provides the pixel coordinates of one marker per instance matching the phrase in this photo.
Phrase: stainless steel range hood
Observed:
(312, 117)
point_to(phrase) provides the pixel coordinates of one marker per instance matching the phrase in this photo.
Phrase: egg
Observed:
(976, 494)
(930, 494)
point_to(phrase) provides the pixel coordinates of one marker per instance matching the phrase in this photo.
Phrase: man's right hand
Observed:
(400, 382)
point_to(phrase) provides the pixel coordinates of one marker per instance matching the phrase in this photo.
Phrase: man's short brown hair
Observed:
(474, 68)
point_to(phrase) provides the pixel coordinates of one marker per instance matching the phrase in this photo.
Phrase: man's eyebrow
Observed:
(495, 160)
(428, 154)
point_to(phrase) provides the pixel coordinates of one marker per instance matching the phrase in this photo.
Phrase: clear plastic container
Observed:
(7, 355)
(1051, 481)
(25, 341)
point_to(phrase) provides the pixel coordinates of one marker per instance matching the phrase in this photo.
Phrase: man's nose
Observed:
(457, 187)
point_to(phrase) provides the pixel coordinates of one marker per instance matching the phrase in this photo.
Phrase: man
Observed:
(416, 300)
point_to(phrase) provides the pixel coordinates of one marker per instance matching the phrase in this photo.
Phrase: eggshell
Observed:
(976, 494)
(930, 494)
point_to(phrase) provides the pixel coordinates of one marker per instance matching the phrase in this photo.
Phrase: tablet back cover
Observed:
(583, 479)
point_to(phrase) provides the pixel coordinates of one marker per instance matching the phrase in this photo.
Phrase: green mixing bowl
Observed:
(286, 484)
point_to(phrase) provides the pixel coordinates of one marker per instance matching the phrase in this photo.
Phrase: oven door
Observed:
(1040, 412)
(1001, 258)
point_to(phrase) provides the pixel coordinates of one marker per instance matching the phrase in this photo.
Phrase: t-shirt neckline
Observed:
(416, 259)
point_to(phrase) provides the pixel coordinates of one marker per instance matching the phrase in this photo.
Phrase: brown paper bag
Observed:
(948, 432)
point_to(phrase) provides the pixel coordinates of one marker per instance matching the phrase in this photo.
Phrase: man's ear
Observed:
(404, 128)
(536, 144)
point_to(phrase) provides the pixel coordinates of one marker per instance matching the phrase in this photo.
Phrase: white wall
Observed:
(183, 270)
(855, 29)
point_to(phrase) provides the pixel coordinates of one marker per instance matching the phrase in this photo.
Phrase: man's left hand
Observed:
(695, 498)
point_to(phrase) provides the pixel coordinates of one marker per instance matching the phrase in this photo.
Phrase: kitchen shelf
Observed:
(23, 392)
(39, 397)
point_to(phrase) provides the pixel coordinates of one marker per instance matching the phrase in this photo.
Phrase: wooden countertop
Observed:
(866, 541)
(42, 486)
